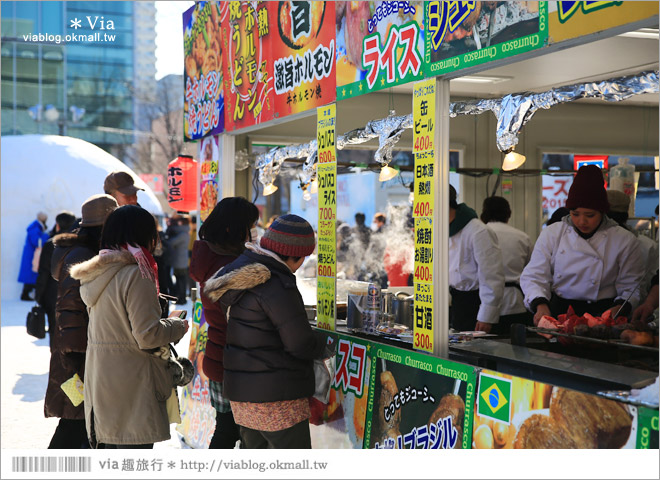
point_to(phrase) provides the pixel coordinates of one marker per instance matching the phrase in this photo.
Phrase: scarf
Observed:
(256, 248)
(463, 216)
(146, 262)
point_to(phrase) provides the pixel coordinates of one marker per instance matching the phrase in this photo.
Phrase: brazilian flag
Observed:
(494, 398)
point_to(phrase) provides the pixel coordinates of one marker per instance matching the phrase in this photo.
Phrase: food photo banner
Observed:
(464, 34)
(203, 107)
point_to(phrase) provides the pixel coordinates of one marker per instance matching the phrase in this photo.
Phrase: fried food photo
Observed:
(541, 431)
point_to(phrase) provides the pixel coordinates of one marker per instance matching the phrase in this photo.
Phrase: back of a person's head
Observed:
(129, 224)
(380, 217)
(229, 222)
(65, 220)
(495, 209)
(452, 197)
(557, 215)
(360, 218)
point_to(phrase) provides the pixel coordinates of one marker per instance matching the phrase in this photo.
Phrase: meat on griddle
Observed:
(388, 391)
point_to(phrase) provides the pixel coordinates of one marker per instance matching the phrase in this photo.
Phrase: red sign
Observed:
(182, 184)
(599, 160)
(154, 180)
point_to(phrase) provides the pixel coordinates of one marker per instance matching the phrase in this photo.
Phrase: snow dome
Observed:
(49, 173)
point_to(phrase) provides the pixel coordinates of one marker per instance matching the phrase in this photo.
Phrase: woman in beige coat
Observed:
(126, 386)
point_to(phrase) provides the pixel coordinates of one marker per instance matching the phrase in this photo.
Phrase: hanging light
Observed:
(314, 186)
(182, 184)
(512, 160)
(307, 196)
(270, 189)
(387, 173)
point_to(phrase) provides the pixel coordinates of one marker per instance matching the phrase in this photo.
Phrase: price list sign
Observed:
(326, 171)
(423, 205)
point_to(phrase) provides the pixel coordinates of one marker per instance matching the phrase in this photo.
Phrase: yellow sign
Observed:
(569, 20)
(423, 250)
(423, 115)
(326, 171)
(424, 167)
(423, 326)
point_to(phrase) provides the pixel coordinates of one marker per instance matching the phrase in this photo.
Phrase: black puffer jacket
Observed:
(270, 345)
(69, 341)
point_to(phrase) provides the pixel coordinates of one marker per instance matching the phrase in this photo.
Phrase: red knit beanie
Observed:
(289, 235)
(588, 190)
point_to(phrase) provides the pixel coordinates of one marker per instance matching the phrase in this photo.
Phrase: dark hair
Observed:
(129, 224)
(619, 217)
(452, 197)
(287, 257)
(359, 218)
(229, 222)
(380, 217)
(495, 209)
(91, 237)
(557, 215)
(65, 220)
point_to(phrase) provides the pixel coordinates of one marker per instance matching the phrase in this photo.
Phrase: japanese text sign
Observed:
(326, 172)
(204, 97)
(462, 34)
(208, 184)
(379, 45)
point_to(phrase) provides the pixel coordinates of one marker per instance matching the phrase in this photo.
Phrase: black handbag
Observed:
(36, 322)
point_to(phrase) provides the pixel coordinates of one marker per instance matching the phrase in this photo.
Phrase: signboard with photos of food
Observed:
(248, 70)
(418, 401)
(203, 108)
(379, 44)
(208, 179)
(302, 49)
(569, 20)
(197, 414)
(341, 423)
(463, 34)
(513, 412)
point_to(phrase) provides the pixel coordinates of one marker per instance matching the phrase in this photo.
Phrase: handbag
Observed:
(324, 373)
(182, 369)
(36, 322)
(35, 258)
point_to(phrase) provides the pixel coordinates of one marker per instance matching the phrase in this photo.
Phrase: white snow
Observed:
(49, 173)
(25, 362)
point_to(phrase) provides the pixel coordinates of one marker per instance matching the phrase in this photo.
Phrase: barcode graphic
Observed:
(51, 464)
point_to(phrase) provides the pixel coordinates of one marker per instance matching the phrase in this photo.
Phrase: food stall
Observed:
(415, 385)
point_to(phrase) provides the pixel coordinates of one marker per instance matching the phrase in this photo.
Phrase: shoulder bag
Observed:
(36, 322)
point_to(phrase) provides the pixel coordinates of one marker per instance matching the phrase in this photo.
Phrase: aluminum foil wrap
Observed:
(514, 111)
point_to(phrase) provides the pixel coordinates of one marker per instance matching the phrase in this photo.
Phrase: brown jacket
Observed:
(125, 386)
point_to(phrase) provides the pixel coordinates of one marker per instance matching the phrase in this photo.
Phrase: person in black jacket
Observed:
(270, 346)
(46, 289)
(69, 337)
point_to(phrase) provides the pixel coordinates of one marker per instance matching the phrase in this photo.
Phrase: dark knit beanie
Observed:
(588, 190)
(289, 235)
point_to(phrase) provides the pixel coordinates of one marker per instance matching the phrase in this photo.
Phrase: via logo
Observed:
(94, 22)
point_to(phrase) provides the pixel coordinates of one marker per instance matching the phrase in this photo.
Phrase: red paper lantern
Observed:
(182, 185)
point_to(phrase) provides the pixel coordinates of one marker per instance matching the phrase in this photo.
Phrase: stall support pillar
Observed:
(227, 147)
(440, 221)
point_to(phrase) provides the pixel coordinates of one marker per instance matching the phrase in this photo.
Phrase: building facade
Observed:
(78, 69)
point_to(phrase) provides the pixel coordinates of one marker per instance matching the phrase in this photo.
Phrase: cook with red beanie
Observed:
(586, 260)
(270, 346)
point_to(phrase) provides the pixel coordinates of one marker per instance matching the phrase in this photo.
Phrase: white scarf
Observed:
(256, 248)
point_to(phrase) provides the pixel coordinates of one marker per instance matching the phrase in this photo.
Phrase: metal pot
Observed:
(403, 309)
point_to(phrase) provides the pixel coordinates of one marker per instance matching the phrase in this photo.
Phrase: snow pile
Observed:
(49, 173)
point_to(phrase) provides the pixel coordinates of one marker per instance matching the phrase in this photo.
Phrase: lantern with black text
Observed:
(182, 184)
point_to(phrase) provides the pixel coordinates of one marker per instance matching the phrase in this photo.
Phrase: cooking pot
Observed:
(403, 309)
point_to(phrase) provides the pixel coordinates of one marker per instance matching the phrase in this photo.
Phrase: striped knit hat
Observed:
(289, 235)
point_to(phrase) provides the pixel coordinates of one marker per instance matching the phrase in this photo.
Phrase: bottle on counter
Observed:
(622, 178)
(372, 312)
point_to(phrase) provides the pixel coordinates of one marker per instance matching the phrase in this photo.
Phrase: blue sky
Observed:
(169, 37)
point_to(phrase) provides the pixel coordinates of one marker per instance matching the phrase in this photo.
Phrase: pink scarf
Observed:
(146, 263)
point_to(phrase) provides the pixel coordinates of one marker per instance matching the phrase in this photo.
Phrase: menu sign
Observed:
(423, 205)
(203, 108)
(248, 72)
(464, 34)
(326, 172)
(208, 185)
(379, 45)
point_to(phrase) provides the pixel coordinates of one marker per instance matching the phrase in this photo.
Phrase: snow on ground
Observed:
(24, 370)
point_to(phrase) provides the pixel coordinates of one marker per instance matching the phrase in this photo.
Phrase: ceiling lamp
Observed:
(512, 160)
(314, 186)
(270, 189)
(387, 173)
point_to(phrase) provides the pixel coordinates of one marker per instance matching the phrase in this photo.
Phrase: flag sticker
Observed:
(494, 399)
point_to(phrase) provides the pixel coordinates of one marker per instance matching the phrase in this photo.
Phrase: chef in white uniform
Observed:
(585, 261)
(476, 275)
(516, 250)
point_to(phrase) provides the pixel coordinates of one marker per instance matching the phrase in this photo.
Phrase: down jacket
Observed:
(207, 259)
(69, 339)
(126, 387)
(270, 344)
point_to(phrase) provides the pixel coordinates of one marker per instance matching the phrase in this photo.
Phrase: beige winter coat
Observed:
(125, 386)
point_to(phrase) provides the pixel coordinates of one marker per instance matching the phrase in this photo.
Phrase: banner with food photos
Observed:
(514, 412)
(208, 178)
(379, 45)
(464, 34)
(197, 414)
(203, 107)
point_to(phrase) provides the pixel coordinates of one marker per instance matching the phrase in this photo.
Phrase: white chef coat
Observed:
(649, 252)
(607, 265)
(516, 250)
(475, 262)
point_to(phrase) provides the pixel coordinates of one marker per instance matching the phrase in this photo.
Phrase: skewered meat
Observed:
(541, 431)
(455, 415)
(388, 391)
(592, 422)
